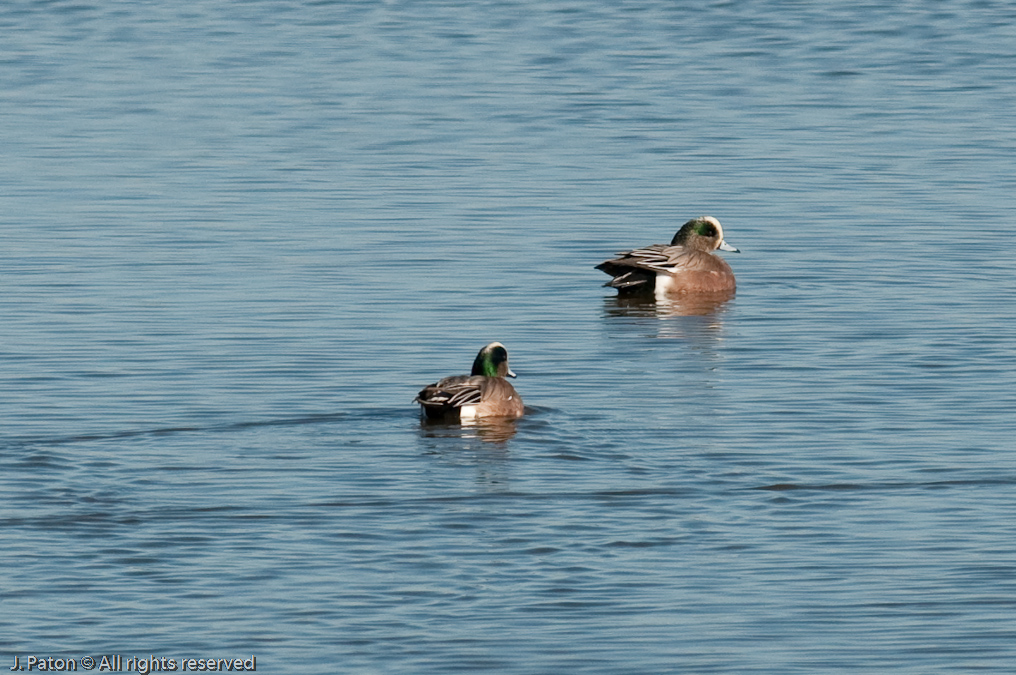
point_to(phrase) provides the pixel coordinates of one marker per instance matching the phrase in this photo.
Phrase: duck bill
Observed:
(724, 246)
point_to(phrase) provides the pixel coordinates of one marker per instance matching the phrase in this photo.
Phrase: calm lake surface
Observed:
(237, 238)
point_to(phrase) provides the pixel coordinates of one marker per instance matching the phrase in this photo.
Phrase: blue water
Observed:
(237, 238)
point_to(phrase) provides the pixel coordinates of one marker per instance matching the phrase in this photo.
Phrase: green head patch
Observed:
(701, 227)
(488, 361)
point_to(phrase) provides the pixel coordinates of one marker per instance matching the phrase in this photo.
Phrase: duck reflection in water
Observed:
(486, 429)
(688, 304)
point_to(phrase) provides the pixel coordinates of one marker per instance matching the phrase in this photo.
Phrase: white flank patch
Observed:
(467, 412)
(663, 284)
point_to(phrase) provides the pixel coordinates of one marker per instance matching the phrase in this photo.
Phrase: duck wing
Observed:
(638, 267)
(453, 392)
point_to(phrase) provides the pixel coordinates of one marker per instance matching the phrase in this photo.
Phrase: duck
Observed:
(686, 265)
(483, 393)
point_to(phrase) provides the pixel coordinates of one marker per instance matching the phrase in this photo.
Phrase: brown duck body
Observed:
(484, 393)
(468, 396)
(686, 265)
